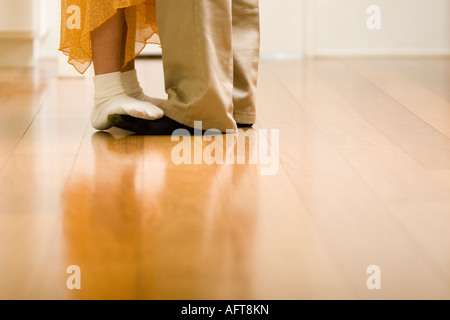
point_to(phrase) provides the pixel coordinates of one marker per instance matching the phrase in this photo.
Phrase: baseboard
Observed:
(17, 52)
(281, 56)
(413, 52)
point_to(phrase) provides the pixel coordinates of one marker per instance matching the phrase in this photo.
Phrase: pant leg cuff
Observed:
(245, 118)
(175, 115)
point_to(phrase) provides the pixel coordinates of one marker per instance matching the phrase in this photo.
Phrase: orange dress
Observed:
(80, 17)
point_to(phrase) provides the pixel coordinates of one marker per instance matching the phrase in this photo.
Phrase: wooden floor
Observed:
(364, 179)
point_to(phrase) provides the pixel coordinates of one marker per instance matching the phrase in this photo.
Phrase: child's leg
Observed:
(130, 66)
(110, 95)
(246, 43)
(106, 43)
(129, 76)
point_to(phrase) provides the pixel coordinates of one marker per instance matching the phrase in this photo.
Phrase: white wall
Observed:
(408, 27)
(281, 28)
(289, 28)
(20, 27)
(16, 16)
(49, 42)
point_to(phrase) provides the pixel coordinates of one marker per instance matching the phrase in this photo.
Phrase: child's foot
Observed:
(111, 98)
(133, 88)
(142, 97)
(122, 104)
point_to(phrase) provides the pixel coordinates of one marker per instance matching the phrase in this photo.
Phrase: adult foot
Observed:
(160, 127)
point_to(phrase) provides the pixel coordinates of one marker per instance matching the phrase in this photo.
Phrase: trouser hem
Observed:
(175, 115)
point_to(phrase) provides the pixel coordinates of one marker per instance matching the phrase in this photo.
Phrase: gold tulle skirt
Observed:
(80, 17)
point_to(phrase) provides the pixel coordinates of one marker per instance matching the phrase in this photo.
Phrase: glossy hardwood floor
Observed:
(363, 179)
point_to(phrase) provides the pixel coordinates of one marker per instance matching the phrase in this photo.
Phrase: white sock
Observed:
(133, 88)
(111, 98)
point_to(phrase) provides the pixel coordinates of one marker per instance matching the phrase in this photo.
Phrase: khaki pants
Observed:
(210, 56)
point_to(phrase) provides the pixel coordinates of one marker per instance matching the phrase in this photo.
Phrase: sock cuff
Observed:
(108, 85)
(130, 82)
